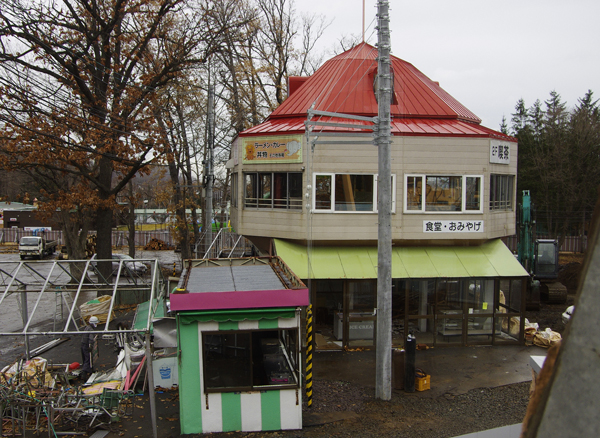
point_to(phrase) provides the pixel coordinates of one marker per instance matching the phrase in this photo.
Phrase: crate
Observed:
(110, 398)
(423, 382)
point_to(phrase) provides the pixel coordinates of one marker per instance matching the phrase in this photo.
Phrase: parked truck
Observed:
(36, 247)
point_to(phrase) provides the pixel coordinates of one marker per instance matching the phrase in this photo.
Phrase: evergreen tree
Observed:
(559, 161)
(519, 118)
(584, 152)
(503, 125)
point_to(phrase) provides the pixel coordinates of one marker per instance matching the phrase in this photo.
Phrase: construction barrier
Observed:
(309, 353)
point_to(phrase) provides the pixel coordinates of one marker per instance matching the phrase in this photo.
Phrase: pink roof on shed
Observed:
(250, 283)
(258, 299)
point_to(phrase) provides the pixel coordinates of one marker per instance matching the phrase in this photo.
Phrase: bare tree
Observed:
(78, 85)
(313, 27)
(346, 42)
(181, 117)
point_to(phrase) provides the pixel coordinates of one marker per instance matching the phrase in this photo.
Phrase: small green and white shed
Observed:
(239, 346)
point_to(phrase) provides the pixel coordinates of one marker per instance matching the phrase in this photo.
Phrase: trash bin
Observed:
(409, 363)
(397, 368)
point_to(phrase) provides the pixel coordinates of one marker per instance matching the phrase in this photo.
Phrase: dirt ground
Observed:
(343, 409)
(564, 258)
(550, 315)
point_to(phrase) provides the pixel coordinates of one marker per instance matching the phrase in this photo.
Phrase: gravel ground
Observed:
(348, 410)
(342, 409)
(413, 415)
(359, 414)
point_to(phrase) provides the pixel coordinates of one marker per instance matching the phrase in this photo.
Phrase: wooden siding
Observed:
(410, 155)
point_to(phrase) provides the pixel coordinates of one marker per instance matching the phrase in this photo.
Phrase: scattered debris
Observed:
(157, 245)
(98, 307)
(90, 245)
(43, 348)
(37, 395)
(547, 338)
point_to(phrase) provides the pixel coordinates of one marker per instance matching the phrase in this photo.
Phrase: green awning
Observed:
(492, 259)
(358, 262)
(236, 315)
(415, 261)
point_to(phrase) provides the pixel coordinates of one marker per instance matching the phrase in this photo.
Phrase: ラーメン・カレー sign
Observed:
(276, 148)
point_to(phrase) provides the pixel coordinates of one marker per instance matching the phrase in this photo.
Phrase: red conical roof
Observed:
(344, 84)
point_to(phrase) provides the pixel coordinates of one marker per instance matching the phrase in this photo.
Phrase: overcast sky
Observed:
(486, 54)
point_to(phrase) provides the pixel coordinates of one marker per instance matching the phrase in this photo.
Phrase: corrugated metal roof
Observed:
(400, 126)
(244, 283)
(492, 259)
(344, 84)
(233, 278)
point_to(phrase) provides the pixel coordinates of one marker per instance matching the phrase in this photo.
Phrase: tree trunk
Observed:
(185, 234)
(180, 205)
(75, 234)
(131, 222)
(104, 220)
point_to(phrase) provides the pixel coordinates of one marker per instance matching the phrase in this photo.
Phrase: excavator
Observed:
(539, 257)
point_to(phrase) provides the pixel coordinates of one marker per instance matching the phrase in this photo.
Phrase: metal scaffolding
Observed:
(44, 298)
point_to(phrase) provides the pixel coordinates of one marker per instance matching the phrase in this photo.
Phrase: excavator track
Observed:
(554, 293)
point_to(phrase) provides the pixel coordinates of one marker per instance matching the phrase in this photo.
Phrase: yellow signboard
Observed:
(271, 149)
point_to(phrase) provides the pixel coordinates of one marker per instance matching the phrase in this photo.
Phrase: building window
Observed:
(443, 193)
(473, 193)
(347, 193)
(323, 192)
(414, 200)
(250, 360)
(265, 194)
(250, 190)
(501, 192)
(273, 190)
(234, 189)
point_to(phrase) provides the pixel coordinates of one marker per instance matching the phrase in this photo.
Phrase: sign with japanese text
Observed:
(499, 152)
(272, 149)
(453, 226)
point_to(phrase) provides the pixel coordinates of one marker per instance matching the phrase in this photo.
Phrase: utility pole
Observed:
(208, 168)
(383, 378)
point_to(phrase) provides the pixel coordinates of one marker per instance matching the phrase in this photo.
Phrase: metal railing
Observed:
(283, 203)
(577, 244)
(118, 238)
(225, 244)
